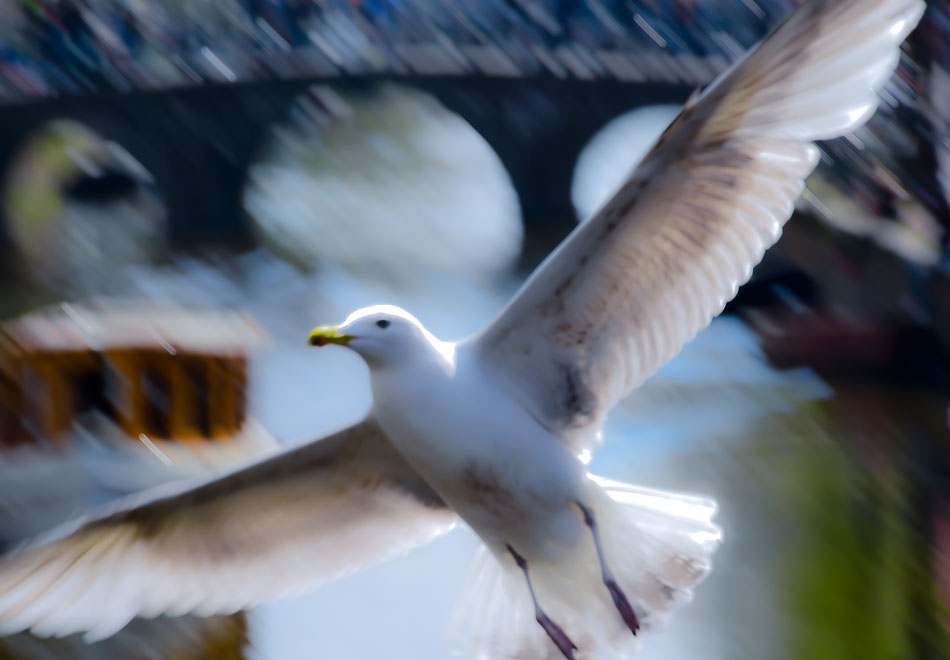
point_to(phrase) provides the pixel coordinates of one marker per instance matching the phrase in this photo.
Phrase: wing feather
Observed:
(629, 287)
(274, 528)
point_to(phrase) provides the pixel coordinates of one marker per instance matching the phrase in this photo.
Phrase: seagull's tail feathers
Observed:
(658, 545)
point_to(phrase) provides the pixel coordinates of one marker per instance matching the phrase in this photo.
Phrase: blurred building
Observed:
(170, 379)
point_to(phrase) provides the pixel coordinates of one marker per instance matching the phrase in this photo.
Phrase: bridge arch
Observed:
(613, 151)
(370, 168)
(538, 127)
(198, 142)
(539, 130)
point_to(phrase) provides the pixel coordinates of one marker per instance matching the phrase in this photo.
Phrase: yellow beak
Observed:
(328, 334)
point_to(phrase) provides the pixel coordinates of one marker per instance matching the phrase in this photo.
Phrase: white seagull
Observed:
(491, 430)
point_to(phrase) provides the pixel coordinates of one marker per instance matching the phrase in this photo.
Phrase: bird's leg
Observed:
(619, 598)
(554, 631)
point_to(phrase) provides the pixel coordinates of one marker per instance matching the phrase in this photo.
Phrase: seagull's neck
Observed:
(428, 355)
(445, 350)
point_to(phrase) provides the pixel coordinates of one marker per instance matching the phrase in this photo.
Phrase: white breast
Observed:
(481, 451)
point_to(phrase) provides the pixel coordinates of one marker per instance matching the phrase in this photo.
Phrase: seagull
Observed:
(493, 431)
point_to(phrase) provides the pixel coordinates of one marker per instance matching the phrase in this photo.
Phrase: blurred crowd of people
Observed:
(50, 46)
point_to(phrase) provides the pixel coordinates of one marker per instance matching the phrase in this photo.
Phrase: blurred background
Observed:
(186, 188)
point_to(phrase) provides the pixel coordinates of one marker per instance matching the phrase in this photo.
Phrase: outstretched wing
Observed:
(628, 288)
(278, 527)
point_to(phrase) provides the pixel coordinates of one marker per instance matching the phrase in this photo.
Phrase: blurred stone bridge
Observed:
(197, 142)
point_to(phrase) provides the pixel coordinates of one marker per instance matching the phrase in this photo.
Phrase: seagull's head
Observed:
(383, 335)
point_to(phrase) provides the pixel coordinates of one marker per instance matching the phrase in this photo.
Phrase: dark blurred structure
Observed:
(88, 52)
(192, 90)
(198, 142)
(125, 69)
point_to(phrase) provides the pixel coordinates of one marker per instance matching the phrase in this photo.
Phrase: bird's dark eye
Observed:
(382, 323)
